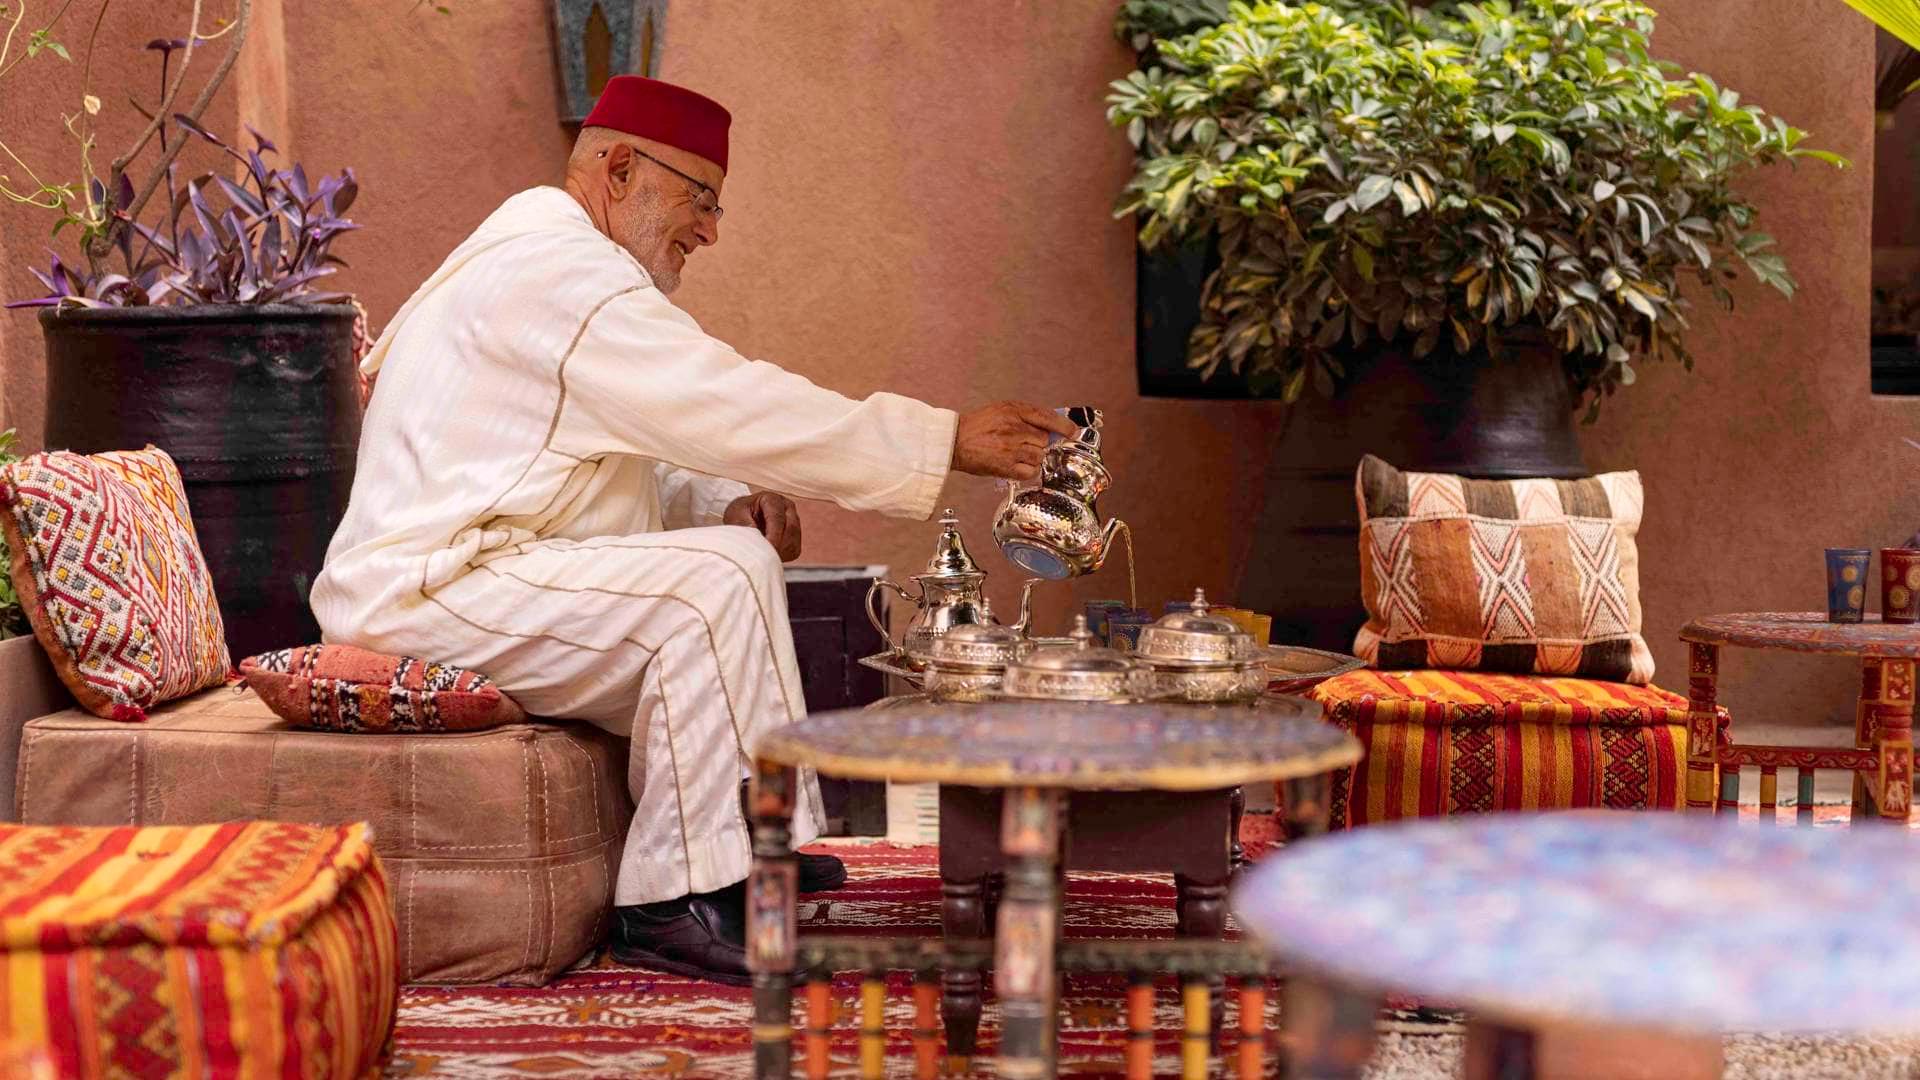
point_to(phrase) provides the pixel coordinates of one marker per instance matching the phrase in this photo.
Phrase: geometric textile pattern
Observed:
(242, 949)
(1534, 576)
(606, 1020)
(110, 573)
(1451, 742)
(343, 688)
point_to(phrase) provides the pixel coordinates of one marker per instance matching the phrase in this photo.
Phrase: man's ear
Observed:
(620, 170)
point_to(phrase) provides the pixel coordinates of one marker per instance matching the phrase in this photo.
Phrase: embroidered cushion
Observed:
(343, 688)
(1449, 742)
(109, 570)
(248, 949)
(1528, 576)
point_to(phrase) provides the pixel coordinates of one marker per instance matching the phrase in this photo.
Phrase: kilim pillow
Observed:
(109, 570)
(1529, 576)
(342, 688)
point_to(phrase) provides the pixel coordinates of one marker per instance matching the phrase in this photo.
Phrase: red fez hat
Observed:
(664, 113)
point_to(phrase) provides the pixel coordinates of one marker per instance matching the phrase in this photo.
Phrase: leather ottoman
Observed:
(257, 949)
(501, 846)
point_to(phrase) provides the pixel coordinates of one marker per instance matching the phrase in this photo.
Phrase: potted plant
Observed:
(1455, 223)
(206, 331)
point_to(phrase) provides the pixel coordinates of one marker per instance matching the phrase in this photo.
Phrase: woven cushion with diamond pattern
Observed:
(107, 565)
(1535, 577)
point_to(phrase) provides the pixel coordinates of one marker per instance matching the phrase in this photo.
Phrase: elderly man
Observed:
(564, 483)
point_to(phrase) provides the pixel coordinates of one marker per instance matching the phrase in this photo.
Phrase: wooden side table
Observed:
(1881, 759)
(1594, 944)
(1039, 755)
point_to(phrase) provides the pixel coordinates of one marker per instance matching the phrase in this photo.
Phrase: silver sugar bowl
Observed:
(1196, 656)
(1081, 671)
(968, 662)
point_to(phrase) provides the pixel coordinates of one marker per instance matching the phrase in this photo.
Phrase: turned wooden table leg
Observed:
(772, 892)
(1703, 728)
(1863, 735)
(1236, 812)
(1024, 947)
(963, 917)
(1893, 736)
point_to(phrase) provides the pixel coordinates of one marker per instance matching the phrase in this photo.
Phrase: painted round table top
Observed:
(1650, 920)
(1806, 631)
(1075, 745)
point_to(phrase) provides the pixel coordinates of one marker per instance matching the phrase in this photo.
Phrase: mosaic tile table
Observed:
(1881, 759)
(1039, 755)
(1603, 944)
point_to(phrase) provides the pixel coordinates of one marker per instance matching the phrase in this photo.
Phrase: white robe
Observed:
(538, 497)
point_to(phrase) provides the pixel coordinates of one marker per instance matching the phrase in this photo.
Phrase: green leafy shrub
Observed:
(1442, 177)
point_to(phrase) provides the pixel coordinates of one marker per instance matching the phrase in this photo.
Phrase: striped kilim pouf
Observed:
(248, 949)
(1460, 742)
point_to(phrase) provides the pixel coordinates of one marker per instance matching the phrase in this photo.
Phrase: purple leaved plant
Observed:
(263, 240)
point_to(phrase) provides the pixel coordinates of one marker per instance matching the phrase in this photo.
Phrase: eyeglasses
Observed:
(707, 201)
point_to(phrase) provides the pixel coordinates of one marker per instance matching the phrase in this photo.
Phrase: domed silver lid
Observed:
(1082, 671)
(1195, 637)
(951, 560)
(976, 645)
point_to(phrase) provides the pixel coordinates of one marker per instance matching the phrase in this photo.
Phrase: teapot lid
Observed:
(1195, 637)
(950, 557)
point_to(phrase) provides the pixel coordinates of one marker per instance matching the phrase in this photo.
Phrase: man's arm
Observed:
(643, 378)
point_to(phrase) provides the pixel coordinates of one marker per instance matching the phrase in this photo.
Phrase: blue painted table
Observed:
(1604, 943)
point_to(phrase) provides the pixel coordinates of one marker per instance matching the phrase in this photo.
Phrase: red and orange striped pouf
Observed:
(1455, 742)
(238, 950)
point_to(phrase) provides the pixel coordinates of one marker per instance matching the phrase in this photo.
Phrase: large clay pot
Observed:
(256, 404)
(1495, 417)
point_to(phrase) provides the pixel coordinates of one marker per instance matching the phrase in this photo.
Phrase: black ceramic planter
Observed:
(256, 403)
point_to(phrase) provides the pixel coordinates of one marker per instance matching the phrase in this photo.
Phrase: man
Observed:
(552, 480)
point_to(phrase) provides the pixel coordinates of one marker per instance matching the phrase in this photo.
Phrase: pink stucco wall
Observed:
(919, 202)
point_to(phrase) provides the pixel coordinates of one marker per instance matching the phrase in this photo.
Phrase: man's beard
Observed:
(649, 222)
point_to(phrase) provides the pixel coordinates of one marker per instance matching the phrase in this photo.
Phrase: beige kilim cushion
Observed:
(1536, 577)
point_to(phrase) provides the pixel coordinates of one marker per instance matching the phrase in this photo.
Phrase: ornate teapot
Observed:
(947, 594)
(1052, 530)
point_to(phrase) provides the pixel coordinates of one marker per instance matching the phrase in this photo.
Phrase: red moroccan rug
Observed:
(605, 1020)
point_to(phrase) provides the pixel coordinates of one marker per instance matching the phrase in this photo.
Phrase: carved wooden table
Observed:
(1595, 943)
(1881, 759)
(1044, 757)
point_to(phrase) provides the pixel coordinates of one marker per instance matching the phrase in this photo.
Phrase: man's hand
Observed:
(773, 515)
(1006, 439)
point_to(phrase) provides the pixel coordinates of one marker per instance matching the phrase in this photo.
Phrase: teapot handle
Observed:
(873, 613)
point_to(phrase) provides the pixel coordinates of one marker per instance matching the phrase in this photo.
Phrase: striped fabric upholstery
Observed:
(1453, 742)
(248, 949)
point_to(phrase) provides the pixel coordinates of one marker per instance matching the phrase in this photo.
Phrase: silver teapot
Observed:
(1053, 530)
(949, 593)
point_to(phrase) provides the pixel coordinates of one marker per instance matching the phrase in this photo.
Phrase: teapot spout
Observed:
(1114, 525)
(1026, 606)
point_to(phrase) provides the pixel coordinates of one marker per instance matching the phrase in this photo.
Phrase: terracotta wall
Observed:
(919, 202)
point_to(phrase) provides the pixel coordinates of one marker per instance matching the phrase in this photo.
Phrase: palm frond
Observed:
(1900, 18)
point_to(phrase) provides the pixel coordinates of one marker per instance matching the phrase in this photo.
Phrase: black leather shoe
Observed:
(707, 941)
(821, 873)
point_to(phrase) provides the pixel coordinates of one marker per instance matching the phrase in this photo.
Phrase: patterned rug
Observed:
(605, 1020)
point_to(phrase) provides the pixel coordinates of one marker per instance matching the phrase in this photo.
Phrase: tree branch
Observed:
(242, 18)
(119, 166)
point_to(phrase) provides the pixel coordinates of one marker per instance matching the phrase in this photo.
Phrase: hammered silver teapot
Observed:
(949, 593)
(1052, 530)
